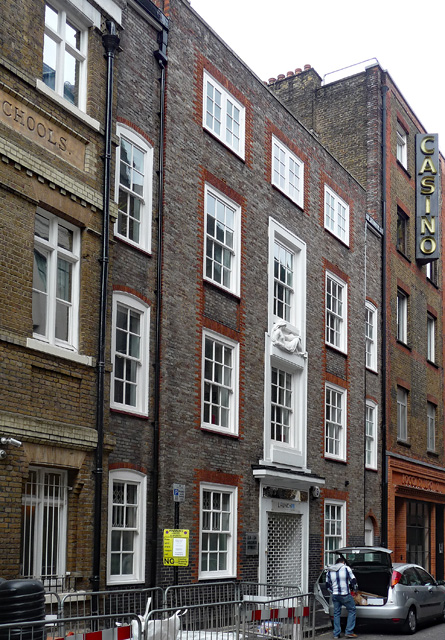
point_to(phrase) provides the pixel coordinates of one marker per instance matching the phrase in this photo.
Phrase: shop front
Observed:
(416, 503)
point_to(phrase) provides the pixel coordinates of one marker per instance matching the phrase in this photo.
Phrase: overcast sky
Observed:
(406, 38)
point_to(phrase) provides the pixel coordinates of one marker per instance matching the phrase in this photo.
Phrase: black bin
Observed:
(22, 601)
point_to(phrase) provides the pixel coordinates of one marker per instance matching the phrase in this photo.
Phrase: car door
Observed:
(321, 591)
(431, 594)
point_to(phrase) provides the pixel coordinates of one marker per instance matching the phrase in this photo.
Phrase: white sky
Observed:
(405, 36)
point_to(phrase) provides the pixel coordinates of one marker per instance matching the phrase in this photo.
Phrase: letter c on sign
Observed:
(423, 146)
(4, 105)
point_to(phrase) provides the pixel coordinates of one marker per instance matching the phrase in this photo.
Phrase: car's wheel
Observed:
(410, 625)
(441, 618)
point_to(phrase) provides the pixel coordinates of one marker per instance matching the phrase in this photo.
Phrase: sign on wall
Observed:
(176, 547)
(427, 197)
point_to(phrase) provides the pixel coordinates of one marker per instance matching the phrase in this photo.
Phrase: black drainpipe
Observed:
(161, 57)
(384, 531)
(110, 42)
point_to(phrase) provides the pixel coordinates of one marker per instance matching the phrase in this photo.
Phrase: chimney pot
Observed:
(281, 76)
(307, 66)
(290, 73)
(272, 80)
(297, 71)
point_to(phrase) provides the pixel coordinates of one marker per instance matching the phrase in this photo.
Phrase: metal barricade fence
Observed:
(227, 591)
(289, 618)
(105, 627)
(186, 595)
(252, 617)
(286, 618)
(84, 603)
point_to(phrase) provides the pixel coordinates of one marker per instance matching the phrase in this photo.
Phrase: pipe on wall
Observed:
(384, 462)
(110, 41)
(161, 57)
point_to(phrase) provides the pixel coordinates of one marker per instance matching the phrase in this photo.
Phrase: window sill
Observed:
(230, 294)
(287, 196)
(432, 283)
(340, 240)
(125, 582)
(404, 169)
(59, 352)
(341, 352)
(240, 156)
(372, 469)
(371, 370)
(404, 443)
(432, 364)
(403, 344)
(431, 453)
(403, 255)
(128, 412)
(213, 577)
(217, 432)
(91, 122)
(132, 245)
(332, 459)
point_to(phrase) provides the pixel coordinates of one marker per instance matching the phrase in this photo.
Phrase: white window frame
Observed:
(139, 480)
(431, 338)
(369, 532)
(132, 303)
(144, 200)
(402, 145)
(371, 336)
(283, 401)
(402, 232)
(286, 322)
(44, 496)
(334, 529)
(214, 241)
(287, 172)
(228, 104)
(371, 422)
(336, 318)
(279, 236)
(67, 12)
(336, 215)
(232, 389)
(402, 414)
(402, 316)
(335, 426)
(431, 270)
(52, 252)
(230, 530)
(431, 427)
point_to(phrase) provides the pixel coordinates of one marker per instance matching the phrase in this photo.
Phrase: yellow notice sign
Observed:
(176, 547)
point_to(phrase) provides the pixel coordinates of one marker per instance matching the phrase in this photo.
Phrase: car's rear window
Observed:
(368, 558)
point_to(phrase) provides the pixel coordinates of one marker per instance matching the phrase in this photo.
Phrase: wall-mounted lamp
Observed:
(13, 441)
(5, 441)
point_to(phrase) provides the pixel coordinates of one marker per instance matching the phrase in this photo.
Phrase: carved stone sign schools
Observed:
(35, 127)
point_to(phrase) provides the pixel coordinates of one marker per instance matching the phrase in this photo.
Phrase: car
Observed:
(401, 594)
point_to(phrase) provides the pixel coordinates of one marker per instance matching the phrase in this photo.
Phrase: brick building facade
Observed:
(236, 307)
(53, 102)
(365, 121)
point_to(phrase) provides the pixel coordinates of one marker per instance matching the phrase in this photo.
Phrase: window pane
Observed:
(62, 322)
(49, 62)
(72, 35)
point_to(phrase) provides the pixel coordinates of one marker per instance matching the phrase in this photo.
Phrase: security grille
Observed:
(44, 501)
(284, 534)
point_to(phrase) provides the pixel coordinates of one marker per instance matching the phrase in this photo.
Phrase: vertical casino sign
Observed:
(427, 198)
